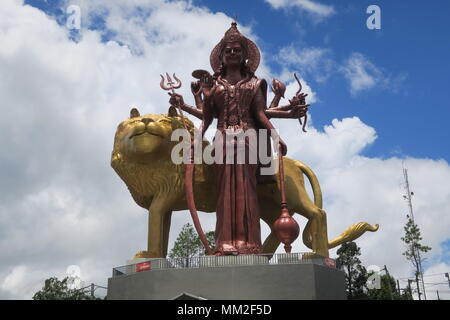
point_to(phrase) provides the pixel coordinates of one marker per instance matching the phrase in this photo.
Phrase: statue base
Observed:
(217, 278)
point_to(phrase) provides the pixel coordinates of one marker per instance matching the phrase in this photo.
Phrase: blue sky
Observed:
(411, 112)
(413, 43)
(392, 83)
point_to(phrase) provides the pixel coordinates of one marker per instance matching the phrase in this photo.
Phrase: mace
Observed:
(286, 228)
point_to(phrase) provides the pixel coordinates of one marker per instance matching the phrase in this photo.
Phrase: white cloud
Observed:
(63, 205)
(362, 74)
(313, 61)
(318, 63)
(436, 282)
(313, 7)
(15, 281)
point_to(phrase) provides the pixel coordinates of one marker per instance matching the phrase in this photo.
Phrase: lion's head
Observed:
(145, 138)
(142, 150)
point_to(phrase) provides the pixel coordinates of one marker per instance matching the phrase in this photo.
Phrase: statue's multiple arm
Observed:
(278, 88)
(197, 88)
(295, 110)
(283, 112)
(177, 99)
(288, 111)
(196, 112)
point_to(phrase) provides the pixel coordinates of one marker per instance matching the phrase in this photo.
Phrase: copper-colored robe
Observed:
(238, 228)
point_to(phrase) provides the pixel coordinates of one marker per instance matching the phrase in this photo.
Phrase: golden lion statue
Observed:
(142, 159)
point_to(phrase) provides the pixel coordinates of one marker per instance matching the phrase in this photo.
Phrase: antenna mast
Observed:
(408, 198)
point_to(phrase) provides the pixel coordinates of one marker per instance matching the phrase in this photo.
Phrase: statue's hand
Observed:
(176, 99)
(206, 81)
(298, 99)
(298, 110)
(298, 105)
(283, 147)
(278, 87)
(195, 88)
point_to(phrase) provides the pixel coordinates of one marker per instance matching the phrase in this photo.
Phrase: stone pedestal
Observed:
(257, 280)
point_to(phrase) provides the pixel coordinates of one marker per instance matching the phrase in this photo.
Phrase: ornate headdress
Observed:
(233, 35)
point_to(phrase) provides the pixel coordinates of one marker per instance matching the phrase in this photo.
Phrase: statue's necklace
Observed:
(232, 92)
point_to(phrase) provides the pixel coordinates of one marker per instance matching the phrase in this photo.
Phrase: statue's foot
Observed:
(146, 255)
(226, 249)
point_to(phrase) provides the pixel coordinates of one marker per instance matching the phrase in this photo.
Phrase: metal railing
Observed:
(222, 261)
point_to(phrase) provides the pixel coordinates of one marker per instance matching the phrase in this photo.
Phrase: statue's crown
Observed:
(233, 34)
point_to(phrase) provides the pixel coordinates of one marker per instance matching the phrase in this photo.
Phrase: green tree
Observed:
(55, 289)
(188, 245)
(356, 274)
(388, 290)
(414, 248)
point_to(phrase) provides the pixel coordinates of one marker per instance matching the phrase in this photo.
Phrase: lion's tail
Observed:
(351, 233)
(317, 192)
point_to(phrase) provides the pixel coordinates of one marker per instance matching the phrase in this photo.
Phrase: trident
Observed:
(171, 85)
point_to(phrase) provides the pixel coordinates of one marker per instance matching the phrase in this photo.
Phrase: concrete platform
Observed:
(305, 281)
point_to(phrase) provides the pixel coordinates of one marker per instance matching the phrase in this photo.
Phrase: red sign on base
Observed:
(330, 263)
(143, 266)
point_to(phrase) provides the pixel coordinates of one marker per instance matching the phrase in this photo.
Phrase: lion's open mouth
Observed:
(146, 132)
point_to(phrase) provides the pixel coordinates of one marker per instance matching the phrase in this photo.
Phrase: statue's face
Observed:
(233, 54)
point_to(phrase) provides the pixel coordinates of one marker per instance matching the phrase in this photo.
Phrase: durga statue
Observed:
(239, 189)
(237, 98)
